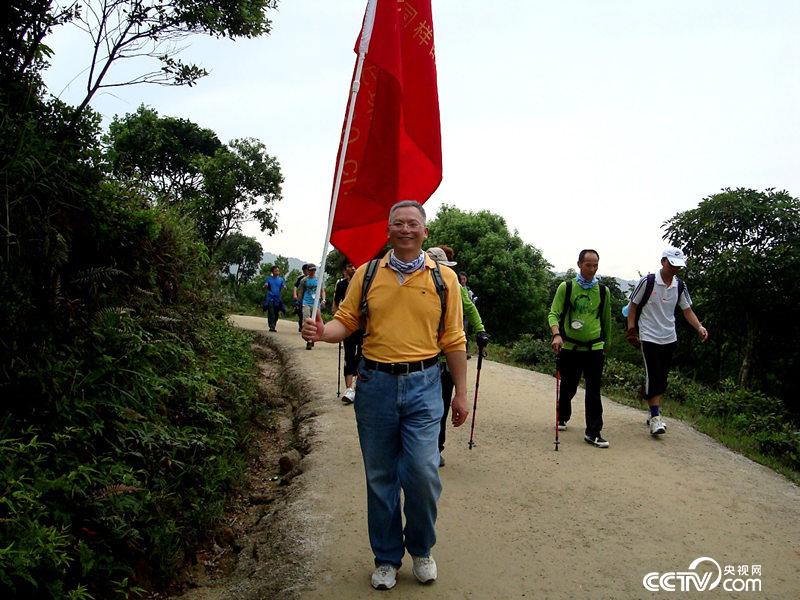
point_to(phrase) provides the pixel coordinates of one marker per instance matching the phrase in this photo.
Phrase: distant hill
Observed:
(294, 263)
(626, 285)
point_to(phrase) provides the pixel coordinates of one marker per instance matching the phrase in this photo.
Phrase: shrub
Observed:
(530, 350)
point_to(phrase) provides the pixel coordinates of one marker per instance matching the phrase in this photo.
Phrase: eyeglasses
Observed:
(410, 225)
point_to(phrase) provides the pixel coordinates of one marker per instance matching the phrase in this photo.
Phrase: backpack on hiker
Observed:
(648, 291)
(632, 336)
(369, 276)
(567, 309)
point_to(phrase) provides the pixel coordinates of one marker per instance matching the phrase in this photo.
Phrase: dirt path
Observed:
(518, 520)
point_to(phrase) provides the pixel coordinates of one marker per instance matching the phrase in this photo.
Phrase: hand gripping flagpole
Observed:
(366, 34)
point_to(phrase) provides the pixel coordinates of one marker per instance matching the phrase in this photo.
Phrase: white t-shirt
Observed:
(657, 321)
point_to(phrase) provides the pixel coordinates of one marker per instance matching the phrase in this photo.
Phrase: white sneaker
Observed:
(657, 425)
(348, 396)
(384, 577)
(424, 568)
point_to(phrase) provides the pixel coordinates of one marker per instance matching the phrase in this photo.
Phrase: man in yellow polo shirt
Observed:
(398, 402)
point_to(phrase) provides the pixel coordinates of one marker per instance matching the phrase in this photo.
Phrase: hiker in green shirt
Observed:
(443, 255)
(580, 319)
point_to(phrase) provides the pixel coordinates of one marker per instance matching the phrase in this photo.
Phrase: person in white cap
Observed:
(651, 326)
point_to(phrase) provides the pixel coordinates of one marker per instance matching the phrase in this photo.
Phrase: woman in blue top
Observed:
(309, 291)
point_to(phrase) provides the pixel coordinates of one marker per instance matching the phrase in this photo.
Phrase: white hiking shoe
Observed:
(657, 425)
(384, 577)
(424, 568)
(348, 396)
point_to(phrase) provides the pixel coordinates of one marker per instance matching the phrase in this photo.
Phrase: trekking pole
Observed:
(558, 398)
(339, 375)
(481, 354)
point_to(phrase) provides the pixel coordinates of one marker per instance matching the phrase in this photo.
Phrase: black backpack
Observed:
(648, 291)
(369, 276)
(568, 308)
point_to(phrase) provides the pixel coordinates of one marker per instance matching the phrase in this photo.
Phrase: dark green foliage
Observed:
(161, 153)
(123, 434)
(177, 163)
(126, 394)
(734, 411)
(532, 351)
(744, 256)
(509, 277)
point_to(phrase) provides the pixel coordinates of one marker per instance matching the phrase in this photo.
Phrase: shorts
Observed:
(657, 361)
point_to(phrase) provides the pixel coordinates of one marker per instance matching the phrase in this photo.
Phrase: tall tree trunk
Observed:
(747, 358)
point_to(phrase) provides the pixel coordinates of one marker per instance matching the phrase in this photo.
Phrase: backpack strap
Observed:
(369, 276)
(568, 308)
(600, 307)
(648, 291)
(565, 309)
(441, 290)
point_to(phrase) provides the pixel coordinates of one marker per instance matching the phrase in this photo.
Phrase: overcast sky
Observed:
(583, 123)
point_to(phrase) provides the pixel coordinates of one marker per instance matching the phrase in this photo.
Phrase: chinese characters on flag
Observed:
(394, 150)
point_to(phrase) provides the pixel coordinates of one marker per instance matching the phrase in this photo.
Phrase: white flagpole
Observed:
(366, 34)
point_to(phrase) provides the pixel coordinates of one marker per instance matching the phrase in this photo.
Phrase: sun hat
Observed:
(440, 257)
(675, 256)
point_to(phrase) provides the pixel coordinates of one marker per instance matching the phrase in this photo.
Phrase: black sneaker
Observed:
(596, 440)
(562, 425)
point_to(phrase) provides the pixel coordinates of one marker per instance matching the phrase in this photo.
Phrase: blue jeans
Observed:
(398, 428)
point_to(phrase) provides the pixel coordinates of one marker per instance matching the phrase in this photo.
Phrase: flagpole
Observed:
(366, 34)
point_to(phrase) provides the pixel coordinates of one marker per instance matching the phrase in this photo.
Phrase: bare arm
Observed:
(688, 313)
(633, 307)
(333, 331)
(457, 365)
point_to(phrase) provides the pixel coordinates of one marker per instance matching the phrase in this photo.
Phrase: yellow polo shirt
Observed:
(403, 324)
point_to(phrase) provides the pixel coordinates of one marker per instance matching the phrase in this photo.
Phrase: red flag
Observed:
(394, 150)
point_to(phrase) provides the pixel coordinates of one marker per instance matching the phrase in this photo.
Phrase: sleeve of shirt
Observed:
(638, 291)
(470, 311)
(349, 313)
(685, 301)
(557, 306)
(453, 338)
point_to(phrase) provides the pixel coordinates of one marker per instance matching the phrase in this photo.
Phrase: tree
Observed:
(282, 263)
(179, 163)
(155, 30)
(744, 256)
(163, 153)
(240, 257)
(509, 276)
(240, 182)
(28, 23)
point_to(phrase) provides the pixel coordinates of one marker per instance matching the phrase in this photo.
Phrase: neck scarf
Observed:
(406, 267)
(587, 285)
